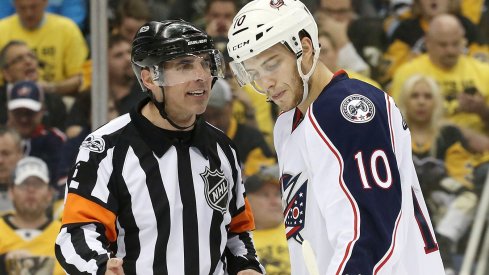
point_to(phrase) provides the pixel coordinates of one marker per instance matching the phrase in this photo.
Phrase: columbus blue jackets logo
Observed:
(216, 189)
(295, 208)
(357, 109)
(276, 3)
(94, 144)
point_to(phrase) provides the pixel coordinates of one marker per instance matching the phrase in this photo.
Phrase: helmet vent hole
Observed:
(259, 35)
(269, 29)
(259, 25)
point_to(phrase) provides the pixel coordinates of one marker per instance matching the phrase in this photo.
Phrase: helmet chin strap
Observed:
(305, 77)
(161, 109)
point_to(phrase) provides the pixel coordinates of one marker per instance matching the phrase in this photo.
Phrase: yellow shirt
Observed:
(263, 113)
(58, 43)
(272, 250)
(355, 75)
(42, 245)
(468, 72)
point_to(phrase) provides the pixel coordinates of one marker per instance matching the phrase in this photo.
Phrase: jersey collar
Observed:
(160, 140)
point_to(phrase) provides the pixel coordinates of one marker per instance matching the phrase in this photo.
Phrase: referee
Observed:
(158, 189)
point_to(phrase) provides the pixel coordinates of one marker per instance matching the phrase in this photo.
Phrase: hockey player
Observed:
(351, 199)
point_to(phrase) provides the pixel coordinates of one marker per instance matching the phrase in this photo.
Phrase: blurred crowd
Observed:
(432, 56)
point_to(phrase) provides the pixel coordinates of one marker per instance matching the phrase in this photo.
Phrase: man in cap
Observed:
(29, 231)
(25, 112)
(252, 147)
(263, 190)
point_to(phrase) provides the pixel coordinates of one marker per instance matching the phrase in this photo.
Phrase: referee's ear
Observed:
(148, 80)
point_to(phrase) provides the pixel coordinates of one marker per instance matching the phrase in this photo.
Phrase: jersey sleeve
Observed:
(355, 179)
(89, 219)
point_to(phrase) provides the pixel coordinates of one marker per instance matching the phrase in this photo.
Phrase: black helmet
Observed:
(156, 42)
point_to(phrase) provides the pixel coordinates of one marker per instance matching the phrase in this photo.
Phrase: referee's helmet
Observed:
(157, 42)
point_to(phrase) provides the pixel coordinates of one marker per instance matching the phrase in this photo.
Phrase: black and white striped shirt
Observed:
(165, 202)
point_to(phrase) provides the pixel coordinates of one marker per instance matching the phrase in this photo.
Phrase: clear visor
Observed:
(256, 70)
(192, 67)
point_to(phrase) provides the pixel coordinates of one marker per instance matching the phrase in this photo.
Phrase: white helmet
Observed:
(260, 25)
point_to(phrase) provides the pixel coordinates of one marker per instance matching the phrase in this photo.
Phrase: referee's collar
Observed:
(160, 140)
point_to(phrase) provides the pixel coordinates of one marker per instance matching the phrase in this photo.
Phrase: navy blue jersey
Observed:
(349, 186)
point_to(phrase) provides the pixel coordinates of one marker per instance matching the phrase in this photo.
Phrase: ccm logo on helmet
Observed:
(240, 45)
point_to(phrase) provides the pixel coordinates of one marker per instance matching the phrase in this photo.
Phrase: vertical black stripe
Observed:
(159, 200)
(217, 218)
(190, 222)
(230, 156)
(118, 187)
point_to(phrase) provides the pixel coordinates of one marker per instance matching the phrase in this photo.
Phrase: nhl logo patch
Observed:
(216, 189)
(357, 109)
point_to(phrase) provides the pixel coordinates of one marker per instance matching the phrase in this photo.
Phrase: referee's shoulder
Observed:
(113, 126)
(218, 134)
(107, 135)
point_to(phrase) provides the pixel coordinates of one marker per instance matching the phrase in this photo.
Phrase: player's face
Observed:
(10, 154)
(20, 64)
(420, 103)
(266, 206)
(275, 72)
(32, 197)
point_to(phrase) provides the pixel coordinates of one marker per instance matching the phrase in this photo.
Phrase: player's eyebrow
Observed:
(269, 59)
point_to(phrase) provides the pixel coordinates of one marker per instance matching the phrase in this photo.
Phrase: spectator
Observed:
(408, 40)
(252, 148)
(17, 63)
(263, 191)
(329, 56)
(76, 10)
(25, 105)
(463, 80)
(29, 232)
(334, 17)
(56, 40)
(130, 16)
(219, 16)
(443, 161)
(10, 154)
(124, 91)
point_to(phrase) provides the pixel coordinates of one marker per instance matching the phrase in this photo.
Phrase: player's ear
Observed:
(307, 48)
(307, 53)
